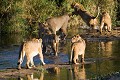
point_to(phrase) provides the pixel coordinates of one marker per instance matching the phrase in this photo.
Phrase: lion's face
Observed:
(76, 38)
(37, 40)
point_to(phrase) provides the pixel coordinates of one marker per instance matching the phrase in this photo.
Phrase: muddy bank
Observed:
(110, 36)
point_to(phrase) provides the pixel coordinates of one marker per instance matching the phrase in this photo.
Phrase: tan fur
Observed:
(57, 70)
(56, 44)
(76, 38)
(78, 48)
(87, 18)
(107, 48)
(57, 23)
(93, 23)
(31, 76)
(30, 49)
(35, 40)
(105, 21)
(79, 72)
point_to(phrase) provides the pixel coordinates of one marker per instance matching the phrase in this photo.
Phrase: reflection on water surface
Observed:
(102, 58)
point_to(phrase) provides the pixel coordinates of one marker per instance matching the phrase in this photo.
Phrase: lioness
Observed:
(78, 48)
(106, 20)
(58, 23)
(30, 49)
(87, 18)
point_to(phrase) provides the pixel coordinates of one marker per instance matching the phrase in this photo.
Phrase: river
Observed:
(102, 58)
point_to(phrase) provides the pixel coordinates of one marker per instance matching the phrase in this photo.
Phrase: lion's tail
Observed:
(98, 12)
(21, 54)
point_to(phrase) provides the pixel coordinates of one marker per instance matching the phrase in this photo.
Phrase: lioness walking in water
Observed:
(31, 49)
(78, 48)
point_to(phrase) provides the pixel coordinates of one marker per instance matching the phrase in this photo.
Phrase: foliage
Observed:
(23, 15)
(109, 6)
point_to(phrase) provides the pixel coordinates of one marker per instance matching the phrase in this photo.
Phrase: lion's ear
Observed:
(40, 40)
(45, 24)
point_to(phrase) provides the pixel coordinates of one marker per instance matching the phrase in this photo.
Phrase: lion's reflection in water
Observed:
(32, 77)
(74, 72)
(78, 72)
(106, 48)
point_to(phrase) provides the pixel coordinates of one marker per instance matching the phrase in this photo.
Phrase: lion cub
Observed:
(31, 49)
(77, 48)
(105, 21)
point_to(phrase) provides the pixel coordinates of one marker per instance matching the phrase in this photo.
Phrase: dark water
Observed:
(102, 58)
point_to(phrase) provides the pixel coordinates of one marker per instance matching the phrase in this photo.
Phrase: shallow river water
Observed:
(102, 58)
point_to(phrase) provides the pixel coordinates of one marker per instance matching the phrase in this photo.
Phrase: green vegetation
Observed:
(23, 15)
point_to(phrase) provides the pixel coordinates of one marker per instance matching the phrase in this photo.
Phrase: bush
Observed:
(24, 15)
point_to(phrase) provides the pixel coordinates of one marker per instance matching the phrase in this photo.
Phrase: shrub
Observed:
(24, 15)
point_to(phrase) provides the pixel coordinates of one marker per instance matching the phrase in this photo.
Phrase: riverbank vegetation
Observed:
(18, 16)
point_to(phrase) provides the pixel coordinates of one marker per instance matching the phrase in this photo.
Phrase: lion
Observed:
(87, 18)
(58, 23)
(77, 48)
(105, 21)
(30, 49)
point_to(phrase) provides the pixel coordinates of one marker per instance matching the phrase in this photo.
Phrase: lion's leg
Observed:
(109, 28)
(41, 58)
(28, 62)
(75, 59)
(101, 27)
(71, 55)
(32, 63)
(106, 28)
(54, 48)
(82, 59)
(57, 45)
